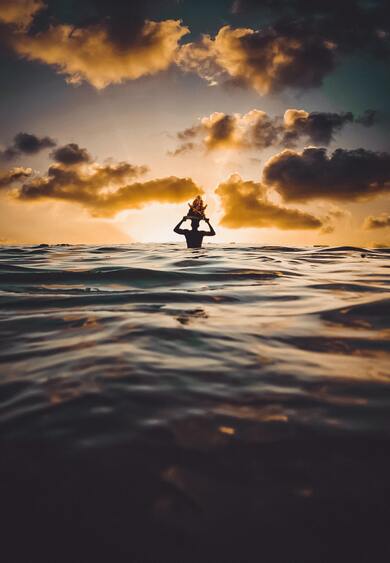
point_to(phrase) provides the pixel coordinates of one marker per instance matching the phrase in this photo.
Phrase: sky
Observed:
(117, 114)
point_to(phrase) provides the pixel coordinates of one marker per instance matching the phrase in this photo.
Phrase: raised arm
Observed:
(209, 233)
(177, 229)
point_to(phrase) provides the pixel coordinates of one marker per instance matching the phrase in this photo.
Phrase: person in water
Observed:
(194, 237)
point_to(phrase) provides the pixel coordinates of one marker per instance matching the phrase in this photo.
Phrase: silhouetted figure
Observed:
(194, 237)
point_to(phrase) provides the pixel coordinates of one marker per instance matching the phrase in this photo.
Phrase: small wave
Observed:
(343, 249)
(281, 248)
(375, 314)
(110, 298)
(351, 287)
(23, 275)
(103, 249)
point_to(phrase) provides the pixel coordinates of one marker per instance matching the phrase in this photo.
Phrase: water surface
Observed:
(161, 404)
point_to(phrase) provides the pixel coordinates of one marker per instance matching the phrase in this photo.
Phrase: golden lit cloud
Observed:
(291, 116)
(257, 130)
(245, 204)
(103, 189)
(19, 12)
(200, 58)
(17, 174)
(91, 54)
(220, 131)
(254, 129)
(266, 60)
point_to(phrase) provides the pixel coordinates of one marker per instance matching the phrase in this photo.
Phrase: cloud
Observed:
(200, 57)
(317, 127)
(379, 222)
(301, 43)
(17, 174)
(223, 131)
(183, 148)
(334, 212)
(253, 129)
(266, 60)
(19, 13)
(91, 54)
(350, 26)
(327, 230)
(245, 204)
(106, 42)
(26, 143)
(104, 189)
(368, 118)
(71, 154)
(257, 130)
(350, 175)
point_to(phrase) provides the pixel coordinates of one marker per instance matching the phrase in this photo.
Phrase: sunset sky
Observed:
(116, 114)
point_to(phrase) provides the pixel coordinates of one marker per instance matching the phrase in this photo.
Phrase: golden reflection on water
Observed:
(270, 414)
(227, 430)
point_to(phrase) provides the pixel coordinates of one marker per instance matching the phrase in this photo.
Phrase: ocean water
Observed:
(160, 404)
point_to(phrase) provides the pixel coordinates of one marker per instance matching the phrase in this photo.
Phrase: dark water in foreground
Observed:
(159, 404)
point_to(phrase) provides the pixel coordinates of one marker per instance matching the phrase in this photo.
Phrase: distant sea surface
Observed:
(225, 404)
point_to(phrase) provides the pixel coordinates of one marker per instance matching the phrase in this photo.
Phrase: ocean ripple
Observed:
(195, 391)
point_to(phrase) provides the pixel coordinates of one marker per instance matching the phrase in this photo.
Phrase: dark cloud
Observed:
(26, 143)
(379, 222)
(10, 177)
(303, 42)
(245, 205)
(257, 130)
(71, 154)
(19, 13)
(123, 20)
(317, 127)
(31, 144)
(351, 24)
(368, 118)
(268, 60)
(265, 131)
(284, 8)
(221, 130)
(350, 175)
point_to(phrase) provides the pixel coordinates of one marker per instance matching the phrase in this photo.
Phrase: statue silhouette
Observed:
(194, 237)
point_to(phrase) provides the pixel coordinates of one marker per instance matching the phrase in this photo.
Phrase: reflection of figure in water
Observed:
(194, 237)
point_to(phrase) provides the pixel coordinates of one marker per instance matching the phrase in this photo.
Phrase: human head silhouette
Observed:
(195, 224)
